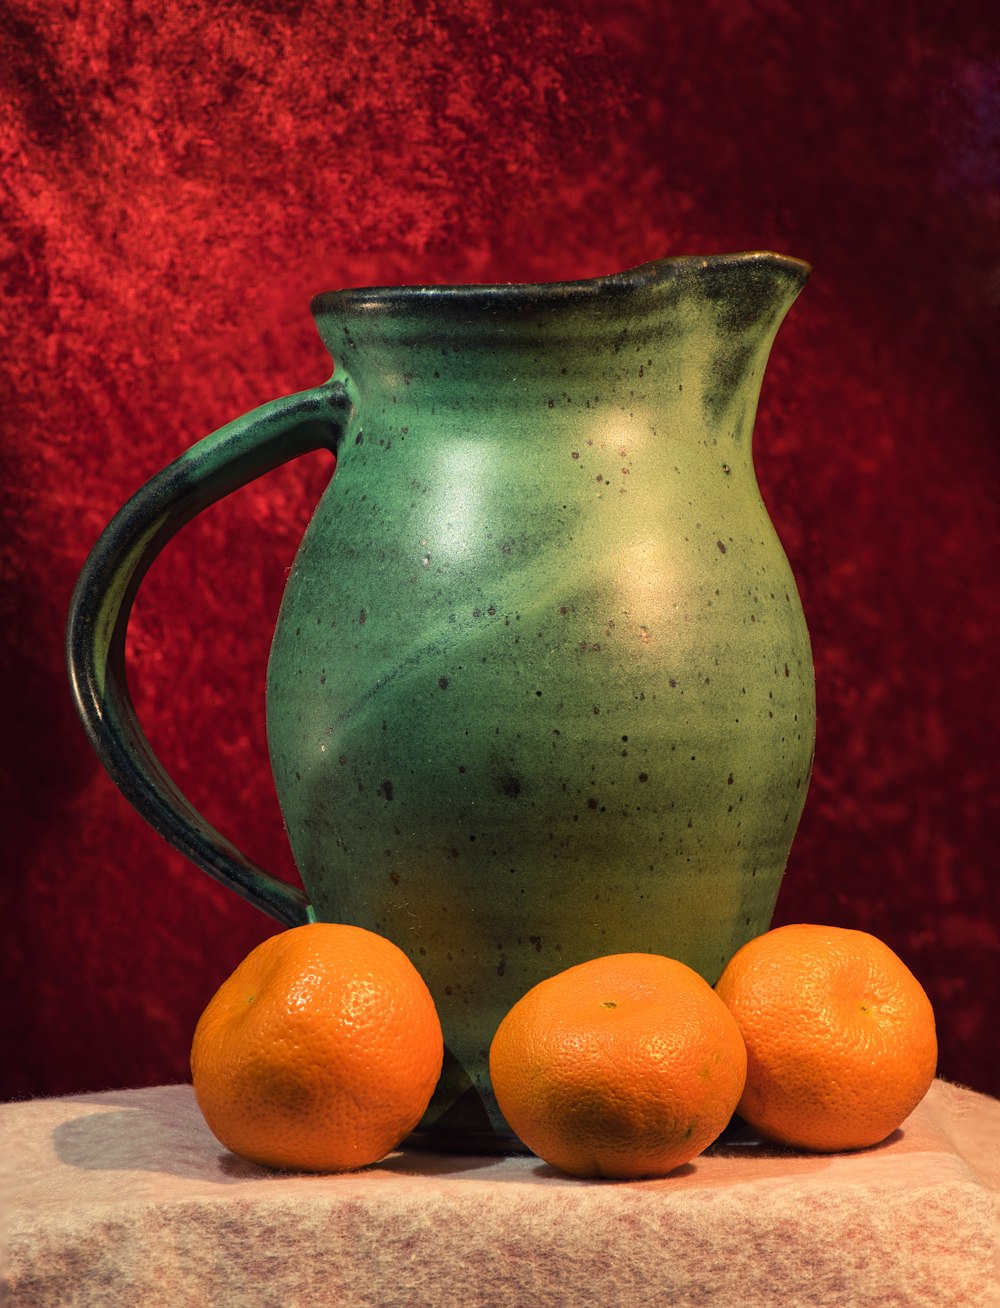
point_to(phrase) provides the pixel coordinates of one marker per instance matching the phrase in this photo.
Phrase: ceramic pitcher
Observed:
(541, 685)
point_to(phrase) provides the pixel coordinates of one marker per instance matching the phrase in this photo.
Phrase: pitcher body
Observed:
(541, 687)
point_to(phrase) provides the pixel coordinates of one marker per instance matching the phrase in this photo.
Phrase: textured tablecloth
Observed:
(124, 1198)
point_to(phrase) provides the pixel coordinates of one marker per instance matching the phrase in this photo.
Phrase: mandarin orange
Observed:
(320, 1052)
(840, 1037)
(625, 1066)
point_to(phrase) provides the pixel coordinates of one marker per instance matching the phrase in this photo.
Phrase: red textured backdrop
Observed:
(179, 179)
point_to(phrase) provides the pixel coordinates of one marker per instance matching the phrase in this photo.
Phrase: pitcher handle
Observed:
(102, 601)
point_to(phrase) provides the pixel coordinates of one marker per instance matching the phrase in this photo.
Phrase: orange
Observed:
(840, 1036)
(625, 1066)
(320, 1052)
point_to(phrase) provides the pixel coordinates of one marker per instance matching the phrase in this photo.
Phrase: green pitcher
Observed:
(541, 686)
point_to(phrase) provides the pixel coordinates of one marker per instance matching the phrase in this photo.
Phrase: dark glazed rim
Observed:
(509, 295)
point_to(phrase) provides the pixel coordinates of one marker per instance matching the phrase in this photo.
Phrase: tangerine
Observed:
(840, 1036)
(625, 1066)
(320, 1052)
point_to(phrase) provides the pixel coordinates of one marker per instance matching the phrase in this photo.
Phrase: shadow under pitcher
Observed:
(541, 687)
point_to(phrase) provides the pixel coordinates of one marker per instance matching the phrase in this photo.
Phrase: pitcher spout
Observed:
(751, 292)
(726, 311)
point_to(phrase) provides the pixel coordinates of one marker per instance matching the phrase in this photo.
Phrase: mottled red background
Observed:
(178, 179)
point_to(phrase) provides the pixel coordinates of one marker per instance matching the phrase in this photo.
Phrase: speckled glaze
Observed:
(541, 687)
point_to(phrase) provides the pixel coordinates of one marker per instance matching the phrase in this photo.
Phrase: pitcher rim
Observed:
(671, 267)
